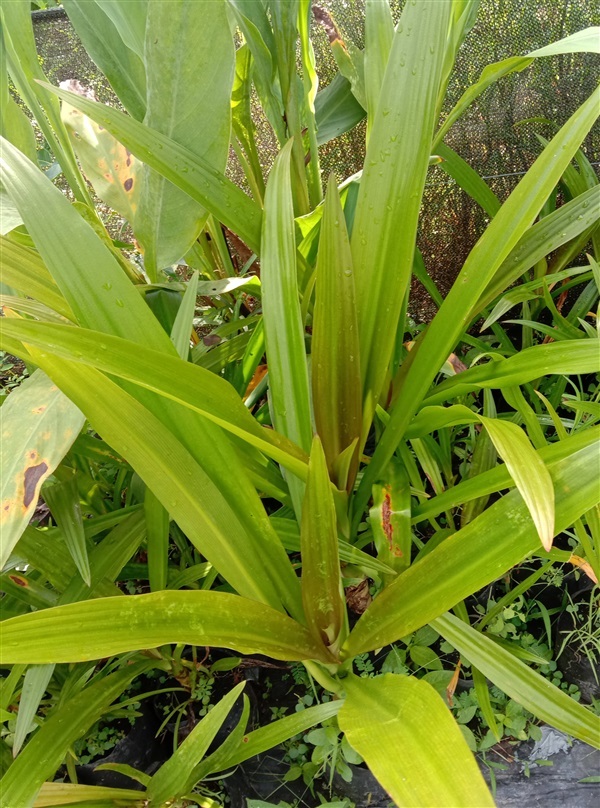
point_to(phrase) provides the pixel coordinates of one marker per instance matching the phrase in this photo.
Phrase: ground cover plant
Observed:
(229, 409)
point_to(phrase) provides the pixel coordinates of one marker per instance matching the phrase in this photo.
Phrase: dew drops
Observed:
(107, 286)
(119, 303)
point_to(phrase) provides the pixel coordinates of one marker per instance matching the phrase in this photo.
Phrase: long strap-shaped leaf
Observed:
(583, 41)
(193, 175)
(170, 780)
(528, 688)
(259, 570)
(106, 626)
(482, 551)
(383, 236)
(191, 385)
(45, 752)
(335, 345)
(488, 482)
(411, 742)
(503, 233)
(23, 269)
(284, 329)
(565, 357)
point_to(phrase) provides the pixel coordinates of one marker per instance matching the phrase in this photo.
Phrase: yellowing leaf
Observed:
(410, 741)
(111, 168)
(39, 424)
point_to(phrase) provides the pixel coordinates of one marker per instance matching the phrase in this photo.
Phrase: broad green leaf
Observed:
(34, 686)
(529, 472)
(115, 174)
(23, 269)
(45, 751)
(179, 165)
(335, 349)
(135, 622)
(130, 19)
(61, 794)
(502, 235)
(284, 329)
(170, 779)
(385, 225)
(63, 500)
(481, 552)
(336, 110)
(191, 385)
(321, 580)
(39, 425)
(104, 42)
(530, 689)
(423, 758)
(379, 35)
(189, 57)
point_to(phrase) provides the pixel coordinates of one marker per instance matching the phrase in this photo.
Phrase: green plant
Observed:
(345, 412)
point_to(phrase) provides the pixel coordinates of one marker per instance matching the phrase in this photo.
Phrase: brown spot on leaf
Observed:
(19, 580)
(31, 478)
(128, 161)
(39, 410)
(386, 517)
(128, 184)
